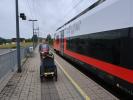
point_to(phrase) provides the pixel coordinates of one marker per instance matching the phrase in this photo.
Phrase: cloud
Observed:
(50, 15)
(7, 18)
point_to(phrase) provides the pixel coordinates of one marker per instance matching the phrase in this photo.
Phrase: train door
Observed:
(62, 42)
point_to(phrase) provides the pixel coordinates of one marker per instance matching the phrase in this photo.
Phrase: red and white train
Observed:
(100, 39)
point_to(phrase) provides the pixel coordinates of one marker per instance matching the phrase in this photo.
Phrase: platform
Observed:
(71, 84)
(90, 88)
(27, 85)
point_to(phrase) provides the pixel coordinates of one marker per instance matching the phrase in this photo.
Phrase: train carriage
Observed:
(100, 39)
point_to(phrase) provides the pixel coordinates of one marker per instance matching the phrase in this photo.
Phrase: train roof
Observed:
(83, 12)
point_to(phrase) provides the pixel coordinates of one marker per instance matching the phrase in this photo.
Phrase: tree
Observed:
(35, 38)
(2, 40)
(49, 39)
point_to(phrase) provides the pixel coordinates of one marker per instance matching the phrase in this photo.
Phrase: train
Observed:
(100, 39)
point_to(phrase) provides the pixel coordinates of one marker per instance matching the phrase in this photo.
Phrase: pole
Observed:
(38, 35)
(33, 32)
(33, 35)
(17, 38)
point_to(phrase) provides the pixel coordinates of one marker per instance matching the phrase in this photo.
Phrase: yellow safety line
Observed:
(74, 83)
(80, 72)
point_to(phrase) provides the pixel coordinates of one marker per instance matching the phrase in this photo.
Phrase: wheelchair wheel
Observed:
(41, 78)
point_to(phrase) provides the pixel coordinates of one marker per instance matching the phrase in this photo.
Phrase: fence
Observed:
(8, 61)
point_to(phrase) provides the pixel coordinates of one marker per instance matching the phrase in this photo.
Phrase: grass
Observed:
(9, 46)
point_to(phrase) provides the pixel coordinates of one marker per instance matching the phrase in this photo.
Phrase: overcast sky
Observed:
(50, 14)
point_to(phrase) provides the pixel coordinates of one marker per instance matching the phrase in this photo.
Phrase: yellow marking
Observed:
(74, 83)
(77, 70)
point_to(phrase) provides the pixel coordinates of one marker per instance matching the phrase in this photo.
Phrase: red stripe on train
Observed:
(115, 70)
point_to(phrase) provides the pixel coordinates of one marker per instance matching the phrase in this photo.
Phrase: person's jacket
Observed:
(43, 47)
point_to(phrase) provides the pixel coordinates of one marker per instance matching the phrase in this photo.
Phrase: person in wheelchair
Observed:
(43, 49)
(47, 66)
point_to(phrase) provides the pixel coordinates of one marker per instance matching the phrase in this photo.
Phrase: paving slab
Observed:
(93, 90)
(27, 85)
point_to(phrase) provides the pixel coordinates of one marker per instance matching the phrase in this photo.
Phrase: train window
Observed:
(106, 46)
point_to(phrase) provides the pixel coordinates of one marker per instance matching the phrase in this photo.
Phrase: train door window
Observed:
(57, 39)
(62, 41)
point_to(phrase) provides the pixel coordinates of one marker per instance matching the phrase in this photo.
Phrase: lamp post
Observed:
(22, 15)
(37, 33)
(17, 38)
(33, 32)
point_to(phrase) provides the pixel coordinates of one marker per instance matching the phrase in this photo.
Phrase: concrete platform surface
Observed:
(93, 90)
(27, 85)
